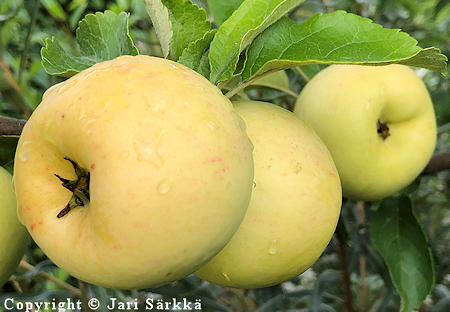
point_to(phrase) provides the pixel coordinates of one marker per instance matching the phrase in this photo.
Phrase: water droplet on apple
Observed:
(157, 106)
(251, 145)
(147, 152)
(124, 154)
(273, 246)
(295, 166)
(254, 184)
(24, 151)
(66, 86)
(95, 71)
(173, 66)
(163, 186)
(240, 122)
(211, 125)
(160, 101)
(226, 276)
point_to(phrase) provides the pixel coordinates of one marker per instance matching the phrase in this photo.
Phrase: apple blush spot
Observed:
(217, 158)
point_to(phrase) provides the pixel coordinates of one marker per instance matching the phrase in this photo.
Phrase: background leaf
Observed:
(159, 14)
(189, 24)
(237, 32)
(54, 8)
(222, 10)
(101, 37)
(399, 238)
(338, 37)
(8, 144)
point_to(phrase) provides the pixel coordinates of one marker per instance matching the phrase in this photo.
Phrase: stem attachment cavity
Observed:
(79, 188)
(383, 129)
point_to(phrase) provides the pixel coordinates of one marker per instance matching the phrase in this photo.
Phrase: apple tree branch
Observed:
(11, 126)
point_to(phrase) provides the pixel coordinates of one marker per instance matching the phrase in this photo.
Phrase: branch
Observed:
(342, 237)
(439, 162)
(16, 95)
(51, 278)
(11, 126)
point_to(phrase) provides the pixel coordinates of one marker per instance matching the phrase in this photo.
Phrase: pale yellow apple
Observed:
(294, 207)
(13, 235)
(170, 172)
(377, 122)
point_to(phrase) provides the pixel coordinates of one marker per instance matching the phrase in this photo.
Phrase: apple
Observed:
(13, 235)
(133, 173)
(378, 123)
(294, 207)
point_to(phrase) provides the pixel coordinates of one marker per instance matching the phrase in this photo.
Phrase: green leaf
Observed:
(238, 31)
(159, 14)
(429, 58)
(402, 243)
(55, 9)
(278, 80)
(101, 37)
(222, 10)
(439, 6)
(189, 24)
(8, 144)
(338, 37)
(196, 54)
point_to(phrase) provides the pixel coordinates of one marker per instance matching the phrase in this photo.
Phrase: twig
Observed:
(302, 73)
(51, 278)
(9, 76)
(20, 102)
(362, 261)
(439, 162)
(11, 126)
(24, 56)
(342, 253)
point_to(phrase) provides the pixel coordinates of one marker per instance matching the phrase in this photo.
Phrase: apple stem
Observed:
(79, 188)
(383, 129)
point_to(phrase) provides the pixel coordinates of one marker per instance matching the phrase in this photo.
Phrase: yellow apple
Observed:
(13, 235)
(294, 207)
(377, 122)
(133, 173)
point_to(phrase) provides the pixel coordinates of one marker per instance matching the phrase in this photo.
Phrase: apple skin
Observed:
(171, 172)
(294, 208)
(343, 103)
(13, 235)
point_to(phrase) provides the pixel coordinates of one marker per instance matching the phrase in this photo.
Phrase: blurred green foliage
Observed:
(24, 25)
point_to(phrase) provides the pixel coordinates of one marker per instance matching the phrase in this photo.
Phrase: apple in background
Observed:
(13, 235)
(294, 208)
(133, 173)
(377, 122)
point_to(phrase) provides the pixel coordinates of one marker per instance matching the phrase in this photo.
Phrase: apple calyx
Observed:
(79, 188)
(383, 129)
